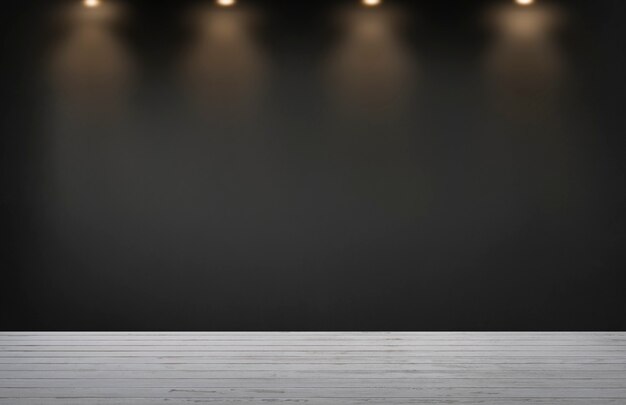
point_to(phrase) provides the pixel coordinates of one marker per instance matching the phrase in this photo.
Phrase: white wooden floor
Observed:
(312, 368)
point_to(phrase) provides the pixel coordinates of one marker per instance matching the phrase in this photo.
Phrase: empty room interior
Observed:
(317, 202)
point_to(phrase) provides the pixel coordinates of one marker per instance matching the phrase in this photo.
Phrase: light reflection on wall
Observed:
(370, 70)
(223, 68)
(525, 62)
(90, 67)
(534, 123)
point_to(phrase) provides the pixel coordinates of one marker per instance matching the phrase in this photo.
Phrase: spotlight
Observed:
(371, 3)
(524, 2)
(91, 3)
(226, 3)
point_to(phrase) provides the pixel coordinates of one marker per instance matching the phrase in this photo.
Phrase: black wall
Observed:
(419, 172)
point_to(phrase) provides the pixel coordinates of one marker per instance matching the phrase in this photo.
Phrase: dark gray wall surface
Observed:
(423, 166)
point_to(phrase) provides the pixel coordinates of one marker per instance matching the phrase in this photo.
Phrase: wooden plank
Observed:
(316, 333)
(364, 353)
(306, 335)
(319, 383)
(278, 340)
(328, 392)
(313, 364)
(618, 350)
(317, 373)
(310, 340)
(321, 359)
(320, 335)
(306, 365)
(272, 344)
(321, 338)
(309, 401)
(334, 336)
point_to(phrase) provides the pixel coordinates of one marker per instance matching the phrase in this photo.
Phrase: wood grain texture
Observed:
(312, 368)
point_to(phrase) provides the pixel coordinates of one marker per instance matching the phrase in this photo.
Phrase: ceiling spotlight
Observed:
(226, 3)
(91, 3)
(524, 2)
(371, 3)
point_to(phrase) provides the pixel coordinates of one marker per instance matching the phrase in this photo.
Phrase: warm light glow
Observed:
(91, 3)
(226, 3)
(371, 3)
(524, 2)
